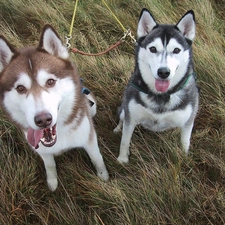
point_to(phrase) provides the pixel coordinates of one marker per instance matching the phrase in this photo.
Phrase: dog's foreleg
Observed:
(186, 136)
(51, 172)
(94, 153)
(120, 124)
(127, 132)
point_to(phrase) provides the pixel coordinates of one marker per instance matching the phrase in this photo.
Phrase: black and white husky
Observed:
(162, 91)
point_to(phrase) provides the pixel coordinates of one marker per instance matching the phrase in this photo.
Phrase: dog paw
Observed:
(118, 127)
(123, 160)
(186, 152)
(104, 175)
(117, 130)
(185, 147)
(52, 184)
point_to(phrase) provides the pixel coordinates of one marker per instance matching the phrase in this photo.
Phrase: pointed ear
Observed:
(187, 25)
(146, 23)
(6, 53)
(51, 43)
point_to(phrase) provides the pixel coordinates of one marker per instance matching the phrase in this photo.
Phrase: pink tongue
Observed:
(34, 136)
(162, 85)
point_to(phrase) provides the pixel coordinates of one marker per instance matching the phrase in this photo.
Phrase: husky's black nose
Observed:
(43, 120)
(163, 72)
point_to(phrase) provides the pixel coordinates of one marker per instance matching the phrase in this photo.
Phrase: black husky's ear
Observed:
(51, 43)
(187, 25)
(6, 53)
(146, 23)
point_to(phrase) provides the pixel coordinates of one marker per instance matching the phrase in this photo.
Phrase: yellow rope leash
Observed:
(127, 32)
(68, 37)
(73, 18)
(124, 29)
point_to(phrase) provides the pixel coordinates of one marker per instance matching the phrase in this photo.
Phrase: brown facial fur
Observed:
(29, 60)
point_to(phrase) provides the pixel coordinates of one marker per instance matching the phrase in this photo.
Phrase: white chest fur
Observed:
(158, 121)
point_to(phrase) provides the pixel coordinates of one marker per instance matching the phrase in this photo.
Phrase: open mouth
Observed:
(46, 136)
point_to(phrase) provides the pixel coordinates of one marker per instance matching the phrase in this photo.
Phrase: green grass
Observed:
(160, 185)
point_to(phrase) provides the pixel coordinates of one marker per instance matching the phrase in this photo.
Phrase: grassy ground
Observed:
(160, 185)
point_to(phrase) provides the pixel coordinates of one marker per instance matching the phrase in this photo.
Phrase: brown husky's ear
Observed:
(51, 43)
(6, 53)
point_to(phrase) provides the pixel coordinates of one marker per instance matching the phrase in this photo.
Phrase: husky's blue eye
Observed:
(176, 51)
(50, 82)
(153, 49)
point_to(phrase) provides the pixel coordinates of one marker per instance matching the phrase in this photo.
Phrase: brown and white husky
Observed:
(41, 92)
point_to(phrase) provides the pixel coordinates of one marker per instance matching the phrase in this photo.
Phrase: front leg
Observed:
(128, 129)
(118, 127)
(186, 136)
(94, 153)
(51, 172)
